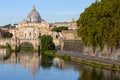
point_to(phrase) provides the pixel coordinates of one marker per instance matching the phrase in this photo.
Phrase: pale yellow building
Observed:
(71, 25)
(31, 26)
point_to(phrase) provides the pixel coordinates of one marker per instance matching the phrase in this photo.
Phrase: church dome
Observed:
(33, 16)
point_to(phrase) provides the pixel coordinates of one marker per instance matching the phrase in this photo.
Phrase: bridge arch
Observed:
(26, 45)
(31, 42)
(17, 41)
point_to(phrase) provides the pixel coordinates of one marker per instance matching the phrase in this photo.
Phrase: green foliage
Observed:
(59, 29)
(47, 43)
(26, 48)
(46, 61)
(113, 65)
(1, 46)
(7, 26)
(7, 35)
(99, 24)
(64, 57)
(50, 53)
(47, 58)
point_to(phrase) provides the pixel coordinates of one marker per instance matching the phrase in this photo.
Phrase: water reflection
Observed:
(48, 68)
(46, 61)
(91, 73)
(59, 63)
(88, 72)
(2, 52)
(27, 60)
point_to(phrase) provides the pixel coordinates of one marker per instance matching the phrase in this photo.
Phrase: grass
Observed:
(89, 62)
(50, 52)
(99, 65)
(64, 57)
(3, 46)
(26, 48)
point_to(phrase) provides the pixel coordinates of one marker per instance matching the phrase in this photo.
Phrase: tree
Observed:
(99, 24)
(47, 43)
(7, 35)
(59, 29)
(7, 26)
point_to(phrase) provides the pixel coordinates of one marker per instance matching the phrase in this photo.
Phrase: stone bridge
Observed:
(17, 42)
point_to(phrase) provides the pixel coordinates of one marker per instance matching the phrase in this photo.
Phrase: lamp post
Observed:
(16, 46)
(39, 44)
(15, 42)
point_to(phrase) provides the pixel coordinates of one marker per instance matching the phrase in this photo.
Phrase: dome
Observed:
(33, 16)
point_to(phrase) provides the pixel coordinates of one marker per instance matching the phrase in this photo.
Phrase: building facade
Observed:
(71, 25)
(31, 26)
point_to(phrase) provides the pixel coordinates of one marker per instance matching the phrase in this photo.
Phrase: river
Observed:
(29, 66)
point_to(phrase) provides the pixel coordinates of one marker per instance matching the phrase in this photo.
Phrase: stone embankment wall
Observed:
(78, 47)
(72, 45)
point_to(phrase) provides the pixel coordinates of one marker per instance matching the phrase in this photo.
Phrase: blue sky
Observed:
(14, 11)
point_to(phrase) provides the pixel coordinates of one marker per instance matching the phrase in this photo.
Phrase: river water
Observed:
(28, 66)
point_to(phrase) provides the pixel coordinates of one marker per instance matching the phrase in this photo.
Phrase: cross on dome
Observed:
(33, 8)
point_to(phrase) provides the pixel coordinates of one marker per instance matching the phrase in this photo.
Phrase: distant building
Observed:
(69, 35)
(73, 24)
(70, 25)
(5, 29)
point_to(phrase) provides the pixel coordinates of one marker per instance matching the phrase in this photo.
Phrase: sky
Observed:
(14, 11)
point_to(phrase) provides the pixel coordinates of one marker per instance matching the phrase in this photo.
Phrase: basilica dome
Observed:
(33, 16)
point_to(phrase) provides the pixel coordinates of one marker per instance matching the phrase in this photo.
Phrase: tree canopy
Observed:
(7, 35)
(7, 26)
(47, 42)
(99, 24)
(59, 29)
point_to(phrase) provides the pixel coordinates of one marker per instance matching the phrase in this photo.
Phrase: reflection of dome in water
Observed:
(30, 60)
(26, 55)
(33, 16)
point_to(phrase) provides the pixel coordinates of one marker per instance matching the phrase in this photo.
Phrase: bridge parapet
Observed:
(17, 41)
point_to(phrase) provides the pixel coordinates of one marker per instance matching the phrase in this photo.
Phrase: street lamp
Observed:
(16, 44)
(39, 44)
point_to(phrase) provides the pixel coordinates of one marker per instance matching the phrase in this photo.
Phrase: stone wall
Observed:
(110, 53)
(69, 34)
(78, 47)
(73, 45)
(57, 43)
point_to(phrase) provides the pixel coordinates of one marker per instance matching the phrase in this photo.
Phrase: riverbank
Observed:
(91, 60)
(3, 46)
